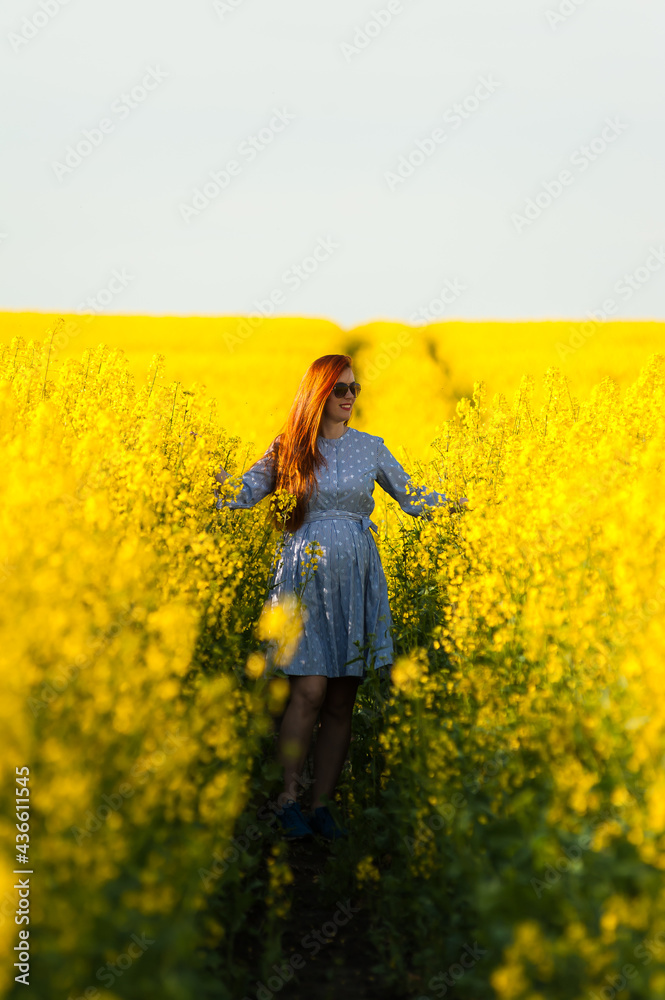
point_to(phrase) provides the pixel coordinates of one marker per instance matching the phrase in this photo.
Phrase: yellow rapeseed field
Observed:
(506, 786)
(412, 377)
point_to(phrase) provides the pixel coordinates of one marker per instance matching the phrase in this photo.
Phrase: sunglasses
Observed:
(340, 390)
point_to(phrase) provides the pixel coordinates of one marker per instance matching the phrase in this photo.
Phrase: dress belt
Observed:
(324, 515)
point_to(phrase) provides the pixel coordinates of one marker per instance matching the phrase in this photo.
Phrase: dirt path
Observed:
(325, 935)
(337, 957)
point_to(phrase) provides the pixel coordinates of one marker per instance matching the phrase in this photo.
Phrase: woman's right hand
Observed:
(221, 475)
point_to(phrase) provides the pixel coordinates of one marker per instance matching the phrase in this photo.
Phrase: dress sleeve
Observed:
(257, 483)
(393, 478)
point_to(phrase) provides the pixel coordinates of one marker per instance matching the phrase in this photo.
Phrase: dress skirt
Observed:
(346, 614)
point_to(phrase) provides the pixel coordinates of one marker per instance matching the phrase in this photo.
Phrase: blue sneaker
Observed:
(322, 822)
(294, 824)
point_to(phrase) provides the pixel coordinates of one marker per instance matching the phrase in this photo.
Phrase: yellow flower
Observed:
(366, 871)
(255, 665)
(408, 671)
(281, 623)
(278, 693)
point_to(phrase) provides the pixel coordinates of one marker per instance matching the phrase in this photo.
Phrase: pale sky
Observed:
(390, 160)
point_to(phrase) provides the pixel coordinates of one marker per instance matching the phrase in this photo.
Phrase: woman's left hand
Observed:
(459, 505)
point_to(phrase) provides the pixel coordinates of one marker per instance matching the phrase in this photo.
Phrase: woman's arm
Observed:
(394, 479)
(257, 482)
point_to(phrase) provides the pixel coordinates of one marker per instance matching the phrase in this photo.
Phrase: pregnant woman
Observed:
(331, 469)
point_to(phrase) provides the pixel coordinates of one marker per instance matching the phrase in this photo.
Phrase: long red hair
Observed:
(295, 450)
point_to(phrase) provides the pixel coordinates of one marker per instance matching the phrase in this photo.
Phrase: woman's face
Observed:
(340, 409)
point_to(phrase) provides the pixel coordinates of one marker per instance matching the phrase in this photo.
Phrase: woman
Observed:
(331, 468)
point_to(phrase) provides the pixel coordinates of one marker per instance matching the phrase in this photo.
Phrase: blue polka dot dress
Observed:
(348, 621)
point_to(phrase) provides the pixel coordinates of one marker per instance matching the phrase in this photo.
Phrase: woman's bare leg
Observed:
(295, 733)
(332, 742)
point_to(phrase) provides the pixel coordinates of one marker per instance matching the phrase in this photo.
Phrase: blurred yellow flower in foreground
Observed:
(255, 665)
(407, 671)
(282, 624)
(278, 693)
